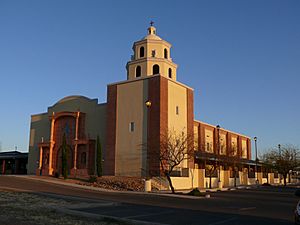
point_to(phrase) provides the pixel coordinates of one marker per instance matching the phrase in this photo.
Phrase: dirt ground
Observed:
(17, 208)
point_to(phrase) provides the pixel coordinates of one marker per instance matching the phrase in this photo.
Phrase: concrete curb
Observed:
(105, 190)
(164, 194)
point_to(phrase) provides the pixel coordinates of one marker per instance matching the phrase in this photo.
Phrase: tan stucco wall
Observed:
(177, 97)
(95, 123)
(226, 176)
(130, 156)
(192, 181)
(39, 128)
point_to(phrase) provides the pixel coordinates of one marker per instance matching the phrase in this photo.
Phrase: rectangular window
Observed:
(131, 126)
(177, 110)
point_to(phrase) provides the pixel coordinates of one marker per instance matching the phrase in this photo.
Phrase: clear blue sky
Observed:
(241, 57)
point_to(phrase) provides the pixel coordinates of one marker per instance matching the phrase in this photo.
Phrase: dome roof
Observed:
(73, 97)
(152, 37)
(152, 34)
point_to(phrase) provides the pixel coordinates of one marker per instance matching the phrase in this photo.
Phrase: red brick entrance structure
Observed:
(81, 150)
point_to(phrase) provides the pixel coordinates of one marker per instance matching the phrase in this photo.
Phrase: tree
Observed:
(266, 164)
(283, 161)
(174, 149)
(234, 159)
(99, 157)
(211, 169)
(64, 152)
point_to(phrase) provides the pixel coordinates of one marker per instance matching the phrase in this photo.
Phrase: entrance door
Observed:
(69, 160)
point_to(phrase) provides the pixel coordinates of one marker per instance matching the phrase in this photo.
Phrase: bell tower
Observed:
(151, 57)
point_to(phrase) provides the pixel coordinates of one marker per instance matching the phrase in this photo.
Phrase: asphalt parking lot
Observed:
(264, 205)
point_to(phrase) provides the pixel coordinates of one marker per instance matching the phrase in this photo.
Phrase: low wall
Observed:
(197, 179)
(187, 182)
(214, 182)
(251, 181)
(231, 182)
(264, 180)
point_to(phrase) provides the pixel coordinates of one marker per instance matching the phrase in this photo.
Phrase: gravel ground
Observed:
(117, 183)
(17, 208)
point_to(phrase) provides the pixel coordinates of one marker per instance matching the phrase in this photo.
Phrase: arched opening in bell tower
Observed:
(142, 52)
(155, 69)
(165, 53)
(138, 71)
(170, 73)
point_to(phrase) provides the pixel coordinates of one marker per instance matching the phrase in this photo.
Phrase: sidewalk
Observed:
(167, 193)
(73, 183)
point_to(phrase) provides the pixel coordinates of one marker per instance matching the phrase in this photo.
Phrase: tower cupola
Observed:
(151, 30)
(151, 57)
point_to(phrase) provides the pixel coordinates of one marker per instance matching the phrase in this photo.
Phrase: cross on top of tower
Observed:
(151, 23)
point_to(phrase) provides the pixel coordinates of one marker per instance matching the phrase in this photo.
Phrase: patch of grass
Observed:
(30, 209)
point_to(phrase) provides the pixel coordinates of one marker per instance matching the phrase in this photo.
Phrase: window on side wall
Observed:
(177, 110)
(131, 126)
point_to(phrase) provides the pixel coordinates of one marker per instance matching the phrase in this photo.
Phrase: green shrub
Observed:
(195, 192)
(92, 179)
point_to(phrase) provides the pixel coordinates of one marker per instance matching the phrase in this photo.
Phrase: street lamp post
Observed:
(148, 174)
(148, 104)
(256, 174)
(219, 152)
(279, 151)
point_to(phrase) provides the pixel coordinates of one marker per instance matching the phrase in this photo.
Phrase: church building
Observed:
(151, 101)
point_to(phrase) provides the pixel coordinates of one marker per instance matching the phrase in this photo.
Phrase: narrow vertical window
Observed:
(165, 53)
(138, 71)
(155, 69)
(177, 110)
(170, 73)
(142, 52)
(131, 126)
(207, 147)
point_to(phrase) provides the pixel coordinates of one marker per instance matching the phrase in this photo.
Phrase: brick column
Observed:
(111, 130)
(190, 123)
(157, 121)
(3, 166)
(76, 140)
(201, 137)
(51, 145)
(249, 148)
(239, 146)
(41, 159)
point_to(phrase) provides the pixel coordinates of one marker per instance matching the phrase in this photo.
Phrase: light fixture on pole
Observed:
(255, 140)
(148, 104)
(219, 152)
(279, 161)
